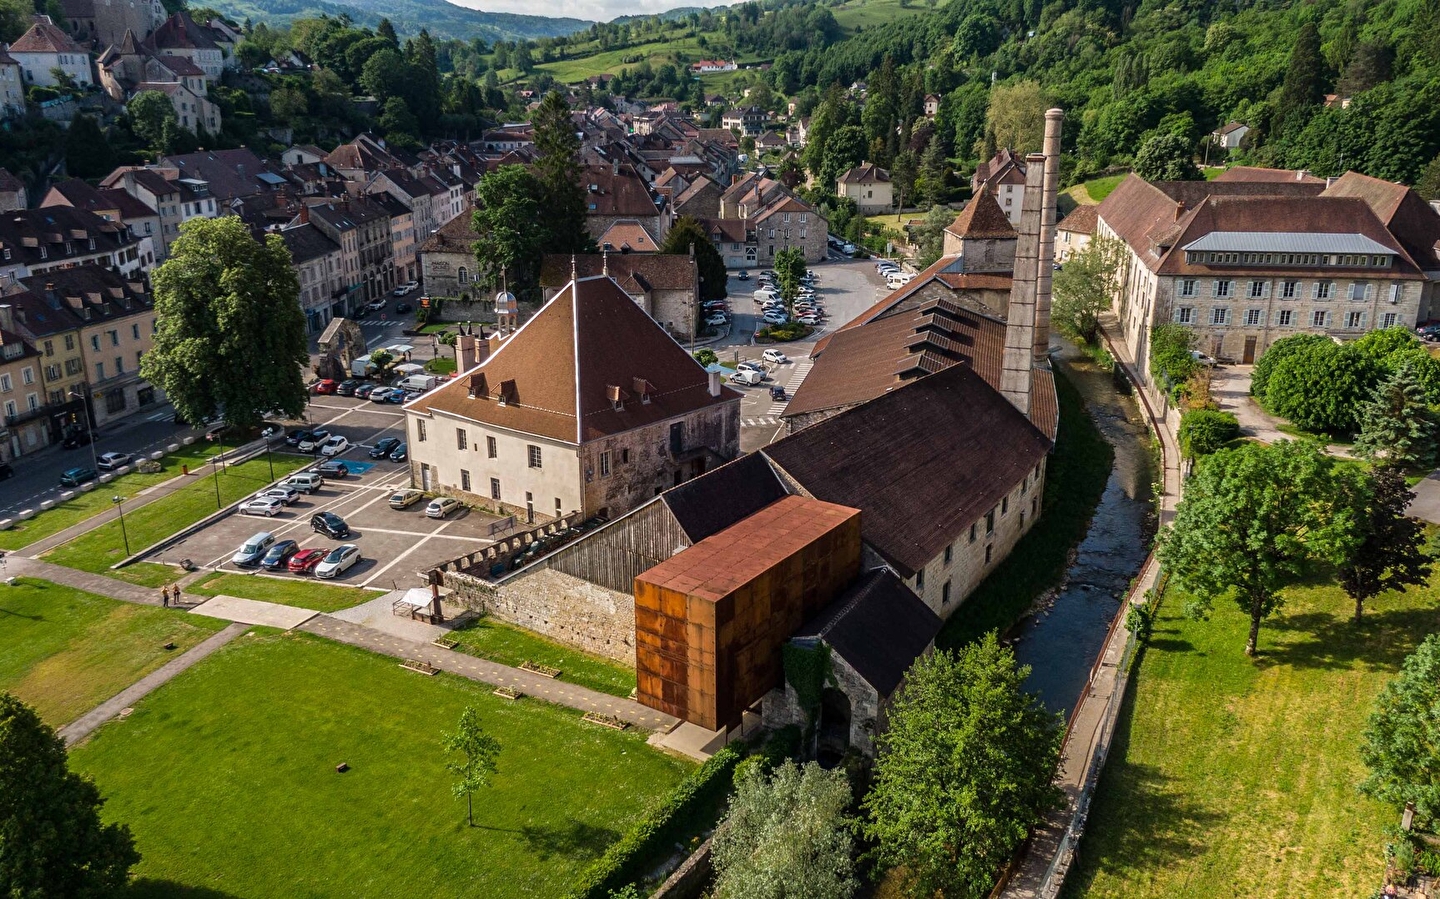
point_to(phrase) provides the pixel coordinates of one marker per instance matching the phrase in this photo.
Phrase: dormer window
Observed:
(616, 396)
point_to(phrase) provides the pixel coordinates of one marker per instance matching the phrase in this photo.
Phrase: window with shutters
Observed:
(1289, 289)
(1188, 287)
(1354, 319)
(1257, 289)
(1224, 288)
(1389, 320)
(1323, 290)
(1254, 317)
(1358, 290)
(1219, 316)
(1286, 318)
(1319, 318)
(1185, 315)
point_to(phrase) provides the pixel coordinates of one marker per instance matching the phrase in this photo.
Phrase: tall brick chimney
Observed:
(1017, 362)
(1045, 264)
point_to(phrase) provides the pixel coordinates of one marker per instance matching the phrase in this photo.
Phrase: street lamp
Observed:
(216, 469)
(267, 434)
(85, 397)
(119, 502)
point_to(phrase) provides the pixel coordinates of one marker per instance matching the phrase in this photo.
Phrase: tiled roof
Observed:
(179, 65)
(8, 182)
(1413, 221)
(627, 235)
(657, 271)
(866, 173)
(455, 236)
(1081, 220)
(180, 32)
(617, 190)
(1005, 167)
(228, 173)
(982, 219)
(306, 243)
(45, 37)
(878, 626)
(589, 364)
(1255, 173)
(922, 462)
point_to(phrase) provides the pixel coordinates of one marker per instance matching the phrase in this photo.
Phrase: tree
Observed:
(15, 16)
(903, 173)
(509, 203)
(478, 751)
(1401, 743)
(845, 151)
(705, 356)
(1278, 351)
(786, 836)
(930, 237)
(149, 112)
(398, 123)
(230, 336)
(1166, 156)
(1428, 185)
(1303, 87)
(1087, 285)
(387, 31)
(558, 170)
(1388, 550)
(383, 75)
(1204, 431)
(87, 151)
(1397, 425)
(1251, 518)
(1321, 386)
(789, 269)
(686, 234)
(1015, 117)
(51, 840)
(932, 185)
(965, 769)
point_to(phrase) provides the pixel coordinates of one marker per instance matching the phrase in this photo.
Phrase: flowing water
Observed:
(1061, 641)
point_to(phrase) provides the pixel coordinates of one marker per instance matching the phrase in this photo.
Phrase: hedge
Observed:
(1203, 431)
(628, 859)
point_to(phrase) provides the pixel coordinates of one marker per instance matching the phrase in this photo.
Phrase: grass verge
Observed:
(508, 645)
(97, 550)
(1100, 188)
(65, 651)
(87, 505)
(303, 594)
(1236, 777)
(1074, 480)
(227, 778)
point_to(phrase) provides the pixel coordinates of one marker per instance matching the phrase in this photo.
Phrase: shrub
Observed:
(1392, 348)
(628, 858)
(1320, 387)
(1203, 431)
(1170, 360)
(788, 331)
(1279, 351)
(706, 356)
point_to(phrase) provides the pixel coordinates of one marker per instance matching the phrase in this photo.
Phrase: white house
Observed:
(45, 47)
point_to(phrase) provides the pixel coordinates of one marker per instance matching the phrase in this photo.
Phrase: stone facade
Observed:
(781, 706)
(558, 606)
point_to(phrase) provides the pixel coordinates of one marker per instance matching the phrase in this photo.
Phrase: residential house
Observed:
(181, 36)
(12, 87)
(362, 230)
(302, 154)
(45, 48)
(932, 105)
(590, 407)
(1230, 135)
(1074, 231)
(112, 205)
(13, 195)
(768, 217)
(1005, 173)
(745, 119)
(225, 175)
(21, 391)
(616, 191)
(869, 186)
(713, 65)
(403, 256)
(33, 241)
(319, 265)
(663, 284)
(175, 202)
(627, 236)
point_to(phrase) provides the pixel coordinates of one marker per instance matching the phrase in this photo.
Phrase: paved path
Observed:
(82, 580)
(477, 669)
(250, 611)
(88, 723)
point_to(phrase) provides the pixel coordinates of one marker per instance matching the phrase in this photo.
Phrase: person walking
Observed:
(176, 598)
(165, 595)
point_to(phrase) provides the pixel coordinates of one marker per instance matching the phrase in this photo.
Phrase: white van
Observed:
(417, 383)
(747, 377)
(764, 294)
(896, 280)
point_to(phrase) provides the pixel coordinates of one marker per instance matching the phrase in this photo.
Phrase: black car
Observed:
(777, 393)
(6, 471)
(76, 438)
(279, 555)
(314, 435)
(364, 390)
(401, 308)
(347, 388)
(331, 525)
(332, 469)
(398, 455)
(384, 447)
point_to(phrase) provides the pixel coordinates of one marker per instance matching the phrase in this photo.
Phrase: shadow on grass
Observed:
(1326, 640)
(574, 840)
(1165, 644)
(151, 888)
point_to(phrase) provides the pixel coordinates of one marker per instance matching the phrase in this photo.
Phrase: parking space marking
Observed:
(425, 538)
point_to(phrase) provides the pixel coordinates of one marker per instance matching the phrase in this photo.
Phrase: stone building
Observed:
(869, 186)
(1074, 231)
(12, 87)
(318, 265)
(616, 192)
(13, 195)
(982, 234)
(663, 284)
(447, 262)
(45, 48)
(21, 391)
(589, 407)
(362, 229)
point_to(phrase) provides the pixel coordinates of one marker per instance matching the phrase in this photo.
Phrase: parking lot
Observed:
(395, 543)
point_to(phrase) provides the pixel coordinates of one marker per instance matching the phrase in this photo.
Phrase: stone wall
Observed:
(781, 706)
(557, 606)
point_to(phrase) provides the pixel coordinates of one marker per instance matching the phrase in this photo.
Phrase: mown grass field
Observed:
(302, 593)
(1237, 777)
(65, 651)
(227, 778)
(96, 550)
(87, 505)
(507, 645)
(868, 13)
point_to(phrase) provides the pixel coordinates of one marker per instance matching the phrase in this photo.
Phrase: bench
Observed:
(609, 721)
(542, 670)
(419, 666)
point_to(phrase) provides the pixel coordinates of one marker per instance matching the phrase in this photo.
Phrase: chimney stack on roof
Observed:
(465, 355)
(714, 382)
(7, 317)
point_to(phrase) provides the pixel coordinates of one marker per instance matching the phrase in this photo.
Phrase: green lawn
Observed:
(227, 778)
(441, 365)
(97, 550)
(1100, 188)
(868, 13)
(65, 651)
(570, 71)
(1233, 777)
(304, 594)
(509, 645)
(85, 505)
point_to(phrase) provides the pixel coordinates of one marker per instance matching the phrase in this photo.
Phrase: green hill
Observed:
(444, 20)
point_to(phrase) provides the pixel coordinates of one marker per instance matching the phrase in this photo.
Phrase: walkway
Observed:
(19, 566)
(1230, 388)
(89, 722)
(477, 669)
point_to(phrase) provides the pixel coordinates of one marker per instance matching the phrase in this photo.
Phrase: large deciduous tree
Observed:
(52, 842)
(688, 234)
(789, 270)
(1251, 518)
(965, 769)
(1388, 549)
(1016, 116)
(558, 170)
(786, 836)
(1401, 745)
(507, 212)
(230, 336)
(1165, 156)
(1087, 285)
(149, 112)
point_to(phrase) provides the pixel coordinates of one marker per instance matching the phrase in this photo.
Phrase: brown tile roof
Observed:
(558, 373)
(617, 190)
(179, 65)
(982, 218)
(921, 463)
(1413, 221)
(728, 230)
(649, 271)
(228, 173)
(627, 236)
(1081, 219)
(1256, 173)
(865, 173)
(1005, 167)
(455, 236)
(45, 37)
(180, 32)
(8, 182)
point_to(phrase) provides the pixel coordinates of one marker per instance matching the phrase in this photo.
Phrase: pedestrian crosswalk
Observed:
(376, 322)
(803, 364)
(764, 421)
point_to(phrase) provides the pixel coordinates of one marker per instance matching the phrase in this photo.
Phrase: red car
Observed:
(327, 386)
(305, 560)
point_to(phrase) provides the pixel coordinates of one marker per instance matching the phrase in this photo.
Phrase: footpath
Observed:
(1051, 849)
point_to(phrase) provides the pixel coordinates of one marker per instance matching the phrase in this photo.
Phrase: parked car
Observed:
(811, 320)
(775, 356)
(335, 445)
(112, 461)
(746, 377)
(384, 447)
(777, 393)
(254, 549)
(375, 305)
(382, 394)
(261, 505)
(339, 561)
(278, 556)
(326, 386)
(286, 495)
(74, 477)
(743, 275)
(305, 482)
(716, 321)
(776, 318)
(1202, 358)
(403, 499)
(363, 391)
(747, 365)
(399, 453)
(311, 443)
(333, 468)
(1429, 332)
(441, 506)
(407, 287)
(402, 308)
(305, 560)
(346, 388)
(76, 438)
(330, 524)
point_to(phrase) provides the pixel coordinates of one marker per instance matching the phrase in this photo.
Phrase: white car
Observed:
(338, 561)
(776, 318)
(810, 320)
(262, 505)
(286, 495)
(407, 287)
(747, 377)
(334, 446)
(716, 321)
(441, 506)
(747, 365)
(375, 305)
(775, 356)
(112, 461)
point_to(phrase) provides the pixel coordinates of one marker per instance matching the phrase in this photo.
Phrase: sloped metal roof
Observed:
(1286, 242)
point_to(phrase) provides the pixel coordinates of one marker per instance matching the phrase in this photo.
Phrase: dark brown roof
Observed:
(879, 626)
(228, 173)
(1005, 167)
(617, 190)
(307, 243)
(982, 219)
(180, 32)
(1081, 219)
(558, 373)
(179, 65)
(1256, 173)
(719, 498)
(648, 271)
(45, 37)
(921, 463)
(866, 173)
(455, 236)
(1413, 221)
(8, 182)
